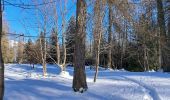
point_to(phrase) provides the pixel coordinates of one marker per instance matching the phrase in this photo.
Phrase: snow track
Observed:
(150, 93)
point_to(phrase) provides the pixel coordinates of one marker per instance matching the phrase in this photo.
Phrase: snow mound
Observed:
(147, 97)
(151, 70)
(65, 74)
(119, 70)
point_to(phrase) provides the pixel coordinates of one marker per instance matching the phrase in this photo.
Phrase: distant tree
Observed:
(29, 55)
(79, 78)
(53, 52)
(7, 51)
(55, 17)
(70, 41)
(20, 52)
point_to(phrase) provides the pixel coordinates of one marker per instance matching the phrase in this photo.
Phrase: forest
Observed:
(130, 35)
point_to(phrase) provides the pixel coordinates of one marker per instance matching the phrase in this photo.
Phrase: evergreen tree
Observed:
(52, 45)
(70, 41)
(29, 52)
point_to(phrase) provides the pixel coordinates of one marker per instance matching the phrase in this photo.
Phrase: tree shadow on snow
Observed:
(38, 89)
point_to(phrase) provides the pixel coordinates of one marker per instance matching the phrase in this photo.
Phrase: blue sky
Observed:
(23, 20)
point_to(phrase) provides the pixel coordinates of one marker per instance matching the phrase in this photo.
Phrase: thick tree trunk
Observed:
(79, 79)
(1, 60)
(168, 42)
(162, 35)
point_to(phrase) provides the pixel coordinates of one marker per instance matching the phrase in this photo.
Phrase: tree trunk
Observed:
(146, 67)
(110, 37)
(169, 25)
(58, 51)
(1, 59)
(44, 58)
(63, 37)
(97, 57)
(57, 40)
(79, 79)
(162, 34)
(43, 54)
(168, 42)
(97, 32)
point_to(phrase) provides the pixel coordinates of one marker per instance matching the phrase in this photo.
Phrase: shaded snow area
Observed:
(24, 83)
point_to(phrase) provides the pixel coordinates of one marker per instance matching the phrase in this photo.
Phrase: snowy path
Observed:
(22, 83)
(150, 93)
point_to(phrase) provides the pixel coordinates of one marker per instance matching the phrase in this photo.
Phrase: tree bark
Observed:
(162, 35)
(97, 33)
(97, 57)
(58, 51)
(1, 59)
(110, 37)
(146, 67)
(79, 79)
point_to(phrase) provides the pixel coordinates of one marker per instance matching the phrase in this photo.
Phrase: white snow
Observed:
(24, 83)
(65, 74)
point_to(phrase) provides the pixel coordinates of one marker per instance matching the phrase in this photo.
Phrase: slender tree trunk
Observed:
(146, 67)
(122, 51)
(57, 41)
(64, 54)
(43, 54)
(110, 37)
(97, 57)
(1, 59)
(79, 79)
(45, 57)
(145, 48)
(58, 51)
(63, 36)
(169, 25)
(97, 32)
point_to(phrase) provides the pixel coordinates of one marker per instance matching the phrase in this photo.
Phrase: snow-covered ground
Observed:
(23, 83)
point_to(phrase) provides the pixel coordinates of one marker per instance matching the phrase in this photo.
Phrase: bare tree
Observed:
(43, 18)
(63, 14)
(56, 28)
(98, 11)
(79, 79)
